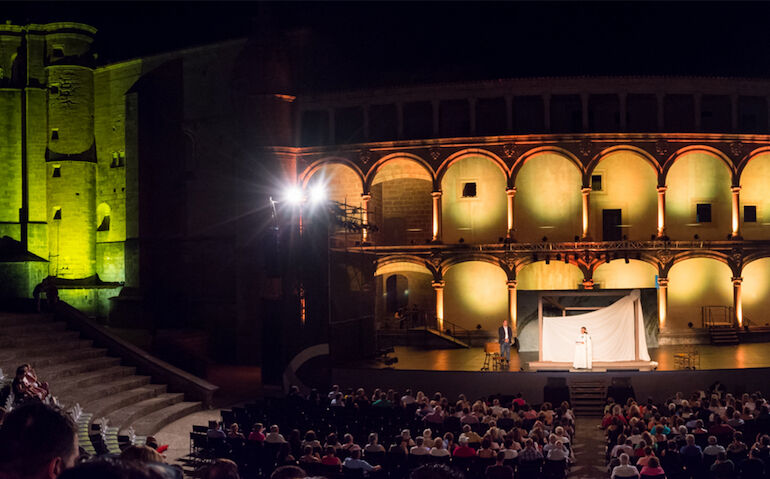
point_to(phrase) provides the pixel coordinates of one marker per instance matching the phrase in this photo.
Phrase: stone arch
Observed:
(694, 176)
(103, 212)
(748, 158)
(700, 149)
(316, 166)
(548, 201)
(756, 291)
(342, 180)
(401, 205)
(754, 179)
(556, 275)
(480, 257)
(410, 263)
(387, 160)
(617, 274)
(694, 282)
(462, 154)
(473, 201)
(475, 293)
(419, 293)
(535, 152)
(627, 184)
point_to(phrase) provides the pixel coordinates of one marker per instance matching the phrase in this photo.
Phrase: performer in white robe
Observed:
(583, 350)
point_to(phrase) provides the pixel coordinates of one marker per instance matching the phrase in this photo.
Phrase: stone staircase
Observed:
(724, 335)
(80, 373)
(588, 397)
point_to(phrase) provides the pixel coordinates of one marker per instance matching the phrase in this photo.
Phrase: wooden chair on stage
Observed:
(492, 358)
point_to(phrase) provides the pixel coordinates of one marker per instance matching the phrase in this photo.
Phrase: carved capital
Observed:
(737, 149)
(586, 147)
(435, 153)
(661, 147)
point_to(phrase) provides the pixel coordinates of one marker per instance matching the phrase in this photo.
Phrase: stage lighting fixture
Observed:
(293, 195)
(317, 194)
(577, 238)
(625, 258)
(607, 258)
(566, 258)
(558, 256)
(547, 259)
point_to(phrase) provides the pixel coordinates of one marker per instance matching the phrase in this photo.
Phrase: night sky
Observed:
(400, 43)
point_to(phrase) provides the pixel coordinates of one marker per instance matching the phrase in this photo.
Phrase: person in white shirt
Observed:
(713, 448)
(624, 469)
(508, 449)
(583, 350)
(438, 449)
(407, 398)
(496, 408)
(419, 449)
(558, 452)
(274, 436)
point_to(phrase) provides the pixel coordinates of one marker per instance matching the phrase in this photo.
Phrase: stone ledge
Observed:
(684, 336)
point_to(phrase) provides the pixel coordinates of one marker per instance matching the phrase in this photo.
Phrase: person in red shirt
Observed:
(330, 459)
(257, 434)
(463, 450)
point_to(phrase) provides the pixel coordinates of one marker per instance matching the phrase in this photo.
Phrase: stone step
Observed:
(24, 329)
(91, 378)
(96, 392)
(9, 319)
(153, 422)
(124, 417)
(50, 338)
(17, 357)
(63, 370)
(109, 404)
(18, 354)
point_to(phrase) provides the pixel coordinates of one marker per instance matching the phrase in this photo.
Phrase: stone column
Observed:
(736, 213)
(588, 283)
(661, 212)
(737, 301)
(436, 216)
(365, 218)
(438, 286)
(586, 193)
(512, 316)
(662, 302)
(510, 193)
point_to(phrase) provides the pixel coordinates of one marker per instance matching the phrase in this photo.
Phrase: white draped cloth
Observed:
(583, 352)
(611, 329)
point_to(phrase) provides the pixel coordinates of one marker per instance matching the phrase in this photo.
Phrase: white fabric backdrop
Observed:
(611, 330)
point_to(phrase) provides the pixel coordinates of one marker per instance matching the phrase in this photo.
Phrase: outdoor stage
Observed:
(744, 367)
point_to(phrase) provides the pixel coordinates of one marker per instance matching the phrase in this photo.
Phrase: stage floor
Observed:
(747, 355)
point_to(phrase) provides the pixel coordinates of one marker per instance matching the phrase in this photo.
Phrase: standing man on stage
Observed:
(505, 338)
(583, 350)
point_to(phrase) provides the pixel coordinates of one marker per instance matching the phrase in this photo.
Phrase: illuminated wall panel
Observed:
(695, 283)
(477, 219)
(628, 183)
(401, 204)
(556, 275)
(548, 199)
(755, 184)
(341, 183)
(619, 275)
(698, 178)
(476, 293)
(756, 292)
(420, 291)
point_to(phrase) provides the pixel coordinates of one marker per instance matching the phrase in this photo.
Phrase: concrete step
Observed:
(16, 357)
(63, 370)
(91, 378)
(10, 319)
(124, 417)
(96, 392)
(39, 327)
(18, 354)
(153, 422)
(51, 338)
(109, 404)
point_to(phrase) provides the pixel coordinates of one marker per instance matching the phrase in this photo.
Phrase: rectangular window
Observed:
(57, 51)
(596, 182)
(469, 190)
(703, 213)
(749, 214)
(57, 213)
(56, 171)
(54, 133)
(54, 89)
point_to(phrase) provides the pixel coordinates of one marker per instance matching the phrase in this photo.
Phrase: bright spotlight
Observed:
(317, 194)
(294, 195)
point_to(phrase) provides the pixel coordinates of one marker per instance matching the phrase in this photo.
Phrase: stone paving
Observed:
(588, 446)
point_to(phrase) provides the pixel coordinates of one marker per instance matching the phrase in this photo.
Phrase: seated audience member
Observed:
(671, 460)
(463, 450)
(530, 452)
(234, 432)
(284, 456)
(37, 442)
(713, 449)
(438, 449)
(648, 454)
(383, 401)
(215, 431)
(486, 451)
(558, 452)
(509, 450)
(288, 472)
(471, 435)
(408, 437)
(652, 469)
(142, 454)
(499, 470)
(753, 467)
(624, 469)
(310, 440)
(723, 468)
(736, 421)
(435, 417)
(308, 456)
(399, 446)
(355, 462)
(348, 443)
(111, 468)
(419, 449)
(330, 458)
(258, 433)
(720, 428)
(222, 469)
(274, 436)
(691, 450)
(26, 386)
(374, 445)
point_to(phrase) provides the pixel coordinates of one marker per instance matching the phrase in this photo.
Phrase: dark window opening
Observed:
(749, 214)
(596, 182)
(57, 214)
(383, 122)
(56, 172)
(396, 292)
(314, 130)
(57, 52)
(490, 116)
(418, 120)
(105, 224)
(469, 190)
(54, 89)
(55, 134)
(703, 213)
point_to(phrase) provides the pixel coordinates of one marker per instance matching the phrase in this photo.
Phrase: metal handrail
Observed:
(708, 320)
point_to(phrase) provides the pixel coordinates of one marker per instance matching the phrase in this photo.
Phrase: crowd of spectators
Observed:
(390, 434)
(708, 434)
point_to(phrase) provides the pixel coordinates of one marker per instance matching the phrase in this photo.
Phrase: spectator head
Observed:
(373, 438)
(258, 427)
(500, 457)
(624, 459)
(37, 441)
(274, 428)
(355, 453)
(712, 440)
(307, 450)
(690, 439)
(419, 440)
(436, 471)
(438, 443)
(529, 443)
(721, 456)
(463, 440)
(348, 438)
(699, 424)
(213, 424)
(222, 469)
(653, 462)
(449, 437)
(330, 451)
(288, 472)
(466, 428)
(486, 443)
(141, 454)
(427, 433)
(310, 436)
(406, 434)
(648, 451)
(683, 430)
